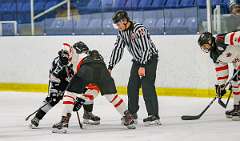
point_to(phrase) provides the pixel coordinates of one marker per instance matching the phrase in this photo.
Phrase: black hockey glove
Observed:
(78, 104)
(220, 90)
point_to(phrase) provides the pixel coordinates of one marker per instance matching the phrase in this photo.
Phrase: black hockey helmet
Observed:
(63, 56)
(80, 47)
(203, 39)
(120, 15)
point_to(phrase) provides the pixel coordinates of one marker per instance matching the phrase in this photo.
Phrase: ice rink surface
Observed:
(213, 126)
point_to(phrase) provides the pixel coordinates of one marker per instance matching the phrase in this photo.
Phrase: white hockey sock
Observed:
(68, 102)
(46, 108)
(117, 102)
(236, 93)
(91, 95)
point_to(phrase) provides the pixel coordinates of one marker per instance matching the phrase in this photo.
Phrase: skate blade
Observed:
(235, 118)
(90, 122)
(60, 131)
(132, 126)
(228, 116)
(32, 126)
(135, 122)
(153, 123)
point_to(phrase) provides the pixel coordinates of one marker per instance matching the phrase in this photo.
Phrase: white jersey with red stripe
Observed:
(226, 50)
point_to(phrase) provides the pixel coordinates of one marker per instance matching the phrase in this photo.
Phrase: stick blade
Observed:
(190, 117)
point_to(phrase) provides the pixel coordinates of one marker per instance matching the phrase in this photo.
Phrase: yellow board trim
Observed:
(186, 92)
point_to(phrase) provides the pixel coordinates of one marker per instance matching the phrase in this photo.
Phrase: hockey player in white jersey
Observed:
(92, 72)
(224, 49)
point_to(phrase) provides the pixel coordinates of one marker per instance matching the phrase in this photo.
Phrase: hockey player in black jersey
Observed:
(60, 74)
(93, 71)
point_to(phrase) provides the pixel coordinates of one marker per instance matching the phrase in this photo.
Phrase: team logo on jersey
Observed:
(220, 48)
(133, 36)
(142, 31)
(236, 60)
(228, 54)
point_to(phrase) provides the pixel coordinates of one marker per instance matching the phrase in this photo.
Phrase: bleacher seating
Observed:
(187, 3)
(160, 16)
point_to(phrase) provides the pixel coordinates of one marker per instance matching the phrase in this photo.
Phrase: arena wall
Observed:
(25, 62)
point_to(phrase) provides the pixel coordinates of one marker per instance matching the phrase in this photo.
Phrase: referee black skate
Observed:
(145, 59)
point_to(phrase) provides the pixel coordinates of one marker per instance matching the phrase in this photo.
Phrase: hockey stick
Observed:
(80, 124)
(35, 112)
(224, 105)
(188, 117)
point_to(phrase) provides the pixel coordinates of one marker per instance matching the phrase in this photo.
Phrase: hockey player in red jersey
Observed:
(93, 72)
(224, 49)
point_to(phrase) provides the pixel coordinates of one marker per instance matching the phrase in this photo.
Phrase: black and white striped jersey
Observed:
(138, 42)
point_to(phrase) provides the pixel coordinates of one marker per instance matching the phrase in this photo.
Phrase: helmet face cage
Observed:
(80, 47)
(64, 56)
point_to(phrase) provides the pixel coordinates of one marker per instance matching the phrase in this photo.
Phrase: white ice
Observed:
(213, 126)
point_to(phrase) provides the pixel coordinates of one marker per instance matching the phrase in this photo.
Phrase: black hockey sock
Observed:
(88, 108)
(40, 114)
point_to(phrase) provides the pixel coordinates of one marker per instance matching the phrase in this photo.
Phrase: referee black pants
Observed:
(148, 87)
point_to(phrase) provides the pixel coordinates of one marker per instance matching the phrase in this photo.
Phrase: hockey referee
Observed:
(145, 59)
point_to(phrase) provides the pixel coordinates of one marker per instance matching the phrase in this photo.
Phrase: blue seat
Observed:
(51, 3)
(119, 4)
(39, 6)
(80, 4)
(23, 17)
(8, 7)
(9, 16)
(108, 27)
(161, 25)
(107, 23)
(187, 3)
(8, 29)
(95, 26)
(176, 26)
(192, 25)
(132, 4)
(107, 4)
(138, 16)
(150, 24)
(80, 25)
(145, 4)
(158, 4)
(23, 6)
(150, 19)
(60, 26)
(202, 15)
(94, 5)
(172, 3)
(216, 2)
(201, 3)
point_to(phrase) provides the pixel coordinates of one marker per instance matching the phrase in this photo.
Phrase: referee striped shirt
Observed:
(138, 42)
